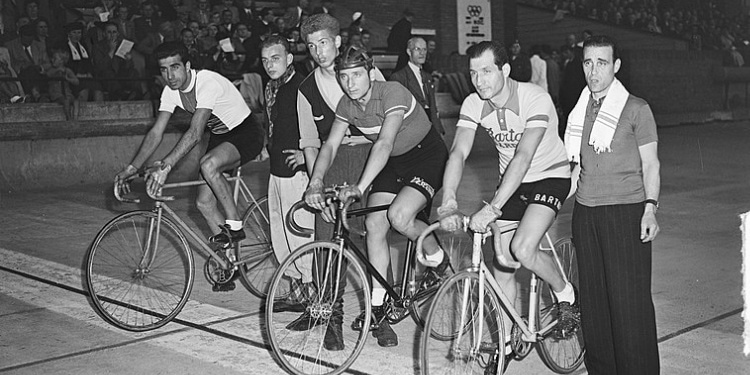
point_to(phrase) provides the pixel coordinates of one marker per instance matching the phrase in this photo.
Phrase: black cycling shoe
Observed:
(304, 322)
(334, 337)
(385, 335)
(375, 319)
(568, 318)
(227, 235)
(224, 287)
(288, 306)
(434, 275)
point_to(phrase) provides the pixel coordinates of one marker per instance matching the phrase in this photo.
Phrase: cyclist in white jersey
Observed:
(235, 138)
(534, 171)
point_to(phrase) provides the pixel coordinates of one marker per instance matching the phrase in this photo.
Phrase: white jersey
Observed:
(528, 106)
(209, 90)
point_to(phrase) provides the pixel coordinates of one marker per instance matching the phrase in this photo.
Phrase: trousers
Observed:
(283, 192)
(617, 311)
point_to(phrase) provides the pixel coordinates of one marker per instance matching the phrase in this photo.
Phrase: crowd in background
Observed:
(703, 23)
(102, 50)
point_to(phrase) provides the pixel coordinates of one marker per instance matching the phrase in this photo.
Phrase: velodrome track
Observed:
(48, 326)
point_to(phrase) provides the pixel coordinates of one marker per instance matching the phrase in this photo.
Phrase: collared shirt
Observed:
(417, 70)
(528, 106)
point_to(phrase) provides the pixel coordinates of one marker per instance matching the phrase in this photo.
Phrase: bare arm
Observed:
(311, 154)
(454, 168)
(152, 140)
(381, 149)
(191, 137)
(652, 184)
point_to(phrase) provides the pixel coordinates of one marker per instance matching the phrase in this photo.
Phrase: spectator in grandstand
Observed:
(419, 82)
(227, 27)
(181, 22)
(248, 15)
(267, 24)
(60, 88)
(147, 23)
(358, 23)
(227, 5)
(366, 37)
(32, 10)
(201, 13)
(251, 45)
(520, 64)
(42, 33)
(105, 10)
(29, 60)
(281, 25)
(571, 85)
(209, 43)
(399, 36)
(109, 64)
(125, 26)
(10, 91)
(295, 14)
(81, 63)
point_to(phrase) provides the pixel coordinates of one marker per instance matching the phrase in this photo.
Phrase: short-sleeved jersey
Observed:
(209, 90)
(528, 106)
(385, 98)
(616, 177)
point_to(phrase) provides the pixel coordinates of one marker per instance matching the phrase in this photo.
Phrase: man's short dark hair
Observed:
(169, 49)
(603, 41)
(497, 49)
(318, 22)
(276, 39)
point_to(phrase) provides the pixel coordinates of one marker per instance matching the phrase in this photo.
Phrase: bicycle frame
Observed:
(531, 333)
(239, 188)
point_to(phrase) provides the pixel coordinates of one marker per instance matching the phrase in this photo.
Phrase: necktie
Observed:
(423, 83)
(27, 49)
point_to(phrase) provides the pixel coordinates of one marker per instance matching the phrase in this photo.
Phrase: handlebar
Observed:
(504, 257)
(119, 185)
(330, 193)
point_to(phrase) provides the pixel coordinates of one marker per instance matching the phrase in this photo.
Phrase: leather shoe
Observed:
(334, 338)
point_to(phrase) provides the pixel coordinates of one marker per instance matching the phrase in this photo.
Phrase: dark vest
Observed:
(322, 113)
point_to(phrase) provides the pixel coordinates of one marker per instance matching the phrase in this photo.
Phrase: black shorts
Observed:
(550, 192)
(247, 138)
(421, 168)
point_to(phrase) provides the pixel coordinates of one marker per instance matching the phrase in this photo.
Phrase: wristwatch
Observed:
(654, 202)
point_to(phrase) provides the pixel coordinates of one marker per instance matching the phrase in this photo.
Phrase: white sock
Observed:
(234, 224)
(435, 259)
(378, 296)
(567, 294)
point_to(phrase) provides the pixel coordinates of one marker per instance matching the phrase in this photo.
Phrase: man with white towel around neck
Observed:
(611, 136)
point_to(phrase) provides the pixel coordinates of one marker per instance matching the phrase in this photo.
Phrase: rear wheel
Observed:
(255, 254)
(562, 356)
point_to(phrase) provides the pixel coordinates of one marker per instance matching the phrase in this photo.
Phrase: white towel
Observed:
(604, 125)
(74, 52)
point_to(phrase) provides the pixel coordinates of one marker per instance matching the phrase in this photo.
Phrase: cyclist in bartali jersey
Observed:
(404, 169)
(534, 171)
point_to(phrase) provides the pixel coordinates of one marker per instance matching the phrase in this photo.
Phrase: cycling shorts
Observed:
(420, 168)
(247, 138)
(550, 192)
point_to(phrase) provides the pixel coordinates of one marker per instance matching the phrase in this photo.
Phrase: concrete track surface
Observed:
(47, 325)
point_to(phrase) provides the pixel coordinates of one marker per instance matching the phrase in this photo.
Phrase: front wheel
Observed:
(302, 341)
(255, 254)
(459, 337)
(562, 356)
(139, 271)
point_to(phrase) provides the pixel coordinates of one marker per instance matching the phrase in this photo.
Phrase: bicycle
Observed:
(139, 268)
(343, 290)
(467, 336)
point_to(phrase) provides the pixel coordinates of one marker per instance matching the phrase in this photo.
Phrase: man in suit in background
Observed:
(29, 59)
(419, 82)
(399, 36)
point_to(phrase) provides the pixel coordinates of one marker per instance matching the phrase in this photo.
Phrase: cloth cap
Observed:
(356, 16)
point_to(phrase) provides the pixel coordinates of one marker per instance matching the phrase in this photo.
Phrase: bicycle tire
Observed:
(562, 356)
(303, 352)
(122, 291)
(255, 253)
(450, 348)
(458, 247)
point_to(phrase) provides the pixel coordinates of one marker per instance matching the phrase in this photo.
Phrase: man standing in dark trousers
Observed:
(612, 137)
(419, 82)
